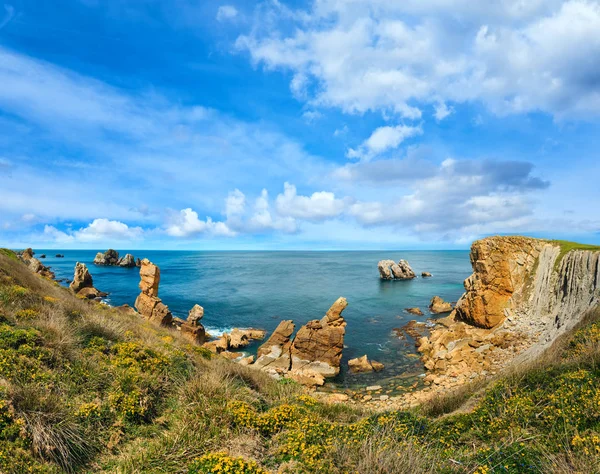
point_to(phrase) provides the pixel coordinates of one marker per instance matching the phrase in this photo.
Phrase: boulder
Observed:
(438, 306)
(390, 270)
(127, 261)
(416, 311)
(59, 255)
(82, 278)
(43, 255)
(195, 314)
(246, 360)
(363, 364)
(426, 275)
(318, 344)
(110, 257)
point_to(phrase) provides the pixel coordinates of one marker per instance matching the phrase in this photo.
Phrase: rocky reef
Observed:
(111, 258)
(522, 295)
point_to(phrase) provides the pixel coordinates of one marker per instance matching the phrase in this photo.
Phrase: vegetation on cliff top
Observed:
(88, 388)
(567, 246)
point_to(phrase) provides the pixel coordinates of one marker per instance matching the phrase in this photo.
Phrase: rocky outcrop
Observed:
(363, 364)
(27, 257)
(192, 329)
(235, 340)
(426, 275)
(148, 304)
(415, 311)
(318, 345)
(110, 257)
(439, 306)
(83, 284)
(390, 270)
(315, 352)
(274, 354)
(522, 295)
(81, 279)
(127, 261)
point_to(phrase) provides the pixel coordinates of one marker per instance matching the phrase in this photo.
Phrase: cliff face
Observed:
(523, 293)
(522, 279)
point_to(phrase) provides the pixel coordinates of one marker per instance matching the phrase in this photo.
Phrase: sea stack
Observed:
(83, 284)
(390, 270)
(148, 303)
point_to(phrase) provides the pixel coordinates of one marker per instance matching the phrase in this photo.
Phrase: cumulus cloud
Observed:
(187, 224)
(382, 140)
(226, 12)
(318, 206)
(442, 111)
(98, 230)
(373, 55)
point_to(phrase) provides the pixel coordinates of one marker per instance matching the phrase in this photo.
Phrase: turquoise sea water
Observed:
(259, 289)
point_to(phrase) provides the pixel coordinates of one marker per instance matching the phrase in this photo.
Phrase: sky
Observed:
(325, 124)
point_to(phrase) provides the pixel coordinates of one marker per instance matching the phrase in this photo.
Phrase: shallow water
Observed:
(259, 289)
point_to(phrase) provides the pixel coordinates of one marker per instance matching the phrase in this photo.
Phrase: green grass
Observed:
(9, 253)
(85, 388)
(567, 246)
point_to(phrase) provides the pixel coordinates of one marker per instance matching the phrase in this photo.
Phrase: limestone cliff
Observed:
(523, 293)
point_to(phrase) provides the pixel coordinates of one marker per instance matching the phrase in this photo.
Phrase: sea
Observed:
(259, 289)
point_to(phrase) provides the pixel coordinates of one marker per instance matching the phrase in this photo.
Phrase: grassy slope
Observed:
(89, 389)
(567, 246)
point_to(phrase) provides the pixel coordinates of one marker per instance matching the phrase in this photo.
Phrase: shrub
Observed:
(221, 463)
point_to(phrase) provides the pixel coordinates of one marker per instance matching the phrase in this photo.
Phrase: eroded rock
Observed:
(390, 270)
(148, 304)
(363, 364)
(438, 306)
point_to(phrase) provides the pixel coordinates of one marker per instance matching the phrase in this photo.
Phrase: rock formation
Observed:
(81, 279)
(126, 261)
(318, 345)
(390, 270)
(83, 285)
(34, 264)
(192, 329)
(426, 275)
(363, 364)
(438, 306)
(523, 293)
(148, 303)
(110, 257)
(415, 311)
(314, 354)
(274, 354)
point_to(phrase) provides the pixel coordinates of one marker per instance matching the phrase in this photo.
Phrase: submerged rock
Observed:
(363, 364)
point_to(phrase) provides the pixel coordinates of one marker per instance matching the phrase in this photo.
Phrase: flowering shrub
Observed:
(27, 314)
(221, 463)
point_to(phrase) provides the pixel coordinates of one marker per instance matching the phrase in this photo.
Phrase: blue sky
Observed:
(333, 124)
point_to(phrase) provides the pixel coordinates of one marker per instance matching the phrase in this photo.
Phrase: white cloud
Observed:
(442, 111)
(226, 12)
(311, 115)
(382, 140)
(9, 13)
(99, 230)
(187, 224)
(377, 55)
(316, 207)
(105, 229)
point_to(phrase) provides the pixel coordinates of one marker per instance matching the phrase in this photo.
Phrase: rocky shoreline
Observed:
(523, 293)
